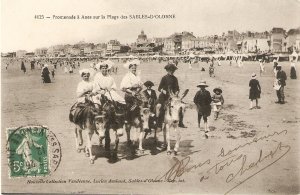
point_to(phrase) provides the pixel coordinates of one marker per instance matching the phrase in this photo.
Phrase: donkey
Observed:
(85, 116)
(113, 118)
(139, 122)
(174, 106)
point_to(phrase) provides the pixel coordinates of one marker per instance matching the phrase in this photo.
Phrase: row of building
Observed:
(277, 40)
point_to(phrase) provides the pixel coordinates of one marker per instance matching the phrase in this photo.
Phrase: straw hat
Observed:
(253, 76)
(217, 89)
(149, 84)
(202, 83)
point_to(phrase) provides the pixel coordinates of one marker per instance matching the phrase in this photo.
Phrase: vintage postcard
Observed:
(150, 97)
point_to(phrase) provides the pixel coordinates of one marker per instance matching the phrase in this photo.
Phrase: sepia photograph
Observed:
(150, 97)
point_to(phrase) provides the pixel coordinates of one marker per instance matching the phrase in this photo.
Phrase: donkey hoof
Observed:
(92, 161)
(175, 153)
(169, 152)
(141, 151)
(87, 154)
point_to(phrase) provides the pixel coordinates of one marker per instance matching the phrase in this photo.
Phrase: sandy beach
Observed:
(246, 148)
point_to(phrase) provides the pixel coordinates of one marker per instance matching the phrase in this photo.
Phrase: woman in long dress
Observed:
(255, 90)
(46, 74)
(293, 68)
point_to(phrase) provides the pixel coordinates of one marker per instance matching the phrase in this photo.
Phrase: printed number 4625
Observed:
(39, 17)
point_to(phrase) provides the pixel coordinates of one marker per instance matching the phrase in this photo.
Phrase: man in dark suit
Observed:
(281, 77)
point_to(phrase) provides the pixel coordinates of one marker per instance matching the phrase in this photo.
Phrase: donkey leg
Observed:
(78, 135)
(135, 137)
(168, 138)
(116, 142)
(89, 145)
(76, 139)
(178, 137)
(141, 139)
(127, 129)
(107, 139)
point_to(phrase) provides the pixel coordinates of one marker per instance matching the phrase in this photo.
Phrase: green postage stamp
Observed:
(28, 151)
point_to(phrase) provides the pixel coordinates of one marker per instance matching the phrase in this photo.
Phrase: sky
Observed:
(20, 29)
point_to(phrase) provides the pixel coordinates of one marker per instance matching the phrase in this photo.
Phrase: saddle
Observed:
(80, 112)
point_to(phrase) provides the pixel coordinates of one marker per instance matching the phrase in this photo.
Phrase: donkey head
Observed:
(100, 123)
(145, 115)
(175, 106)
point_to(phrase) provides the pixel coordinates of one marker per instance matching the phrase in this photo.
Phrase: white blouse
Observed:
(293, 64)
(130, 80)
(82, 87)
(103, 82)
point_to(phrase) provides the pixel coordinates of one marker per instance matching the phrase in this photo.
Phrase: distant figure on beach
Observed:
(53, 73)
(46, 74)
(293, 74)
(211, 70)
(255, 91)
(218, 62)
(32, 65)
(23, 68)
(275, 63)
(261, 67)
(281, 78)
(66, 70)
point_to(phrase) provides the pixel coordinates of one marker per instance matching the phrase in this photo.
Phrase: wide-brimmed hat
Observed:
(132, 62)
(106, 63)
(149, 84)
(99, 65)
(253, 76)
(217, 89)
(202, 83)
(85, 71)
(109, 63)
(171, 67)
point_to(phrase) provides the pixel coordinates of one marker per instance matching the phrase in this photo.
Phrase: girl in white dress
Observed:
(105, 84)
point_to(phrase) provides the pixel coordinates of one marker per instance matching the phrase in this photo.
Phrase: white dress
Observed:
(130, 80)
(82, 87)
(108, 83)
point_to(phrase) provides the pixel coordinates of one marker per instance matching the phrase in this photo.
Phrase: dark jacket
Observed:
(281, 76)
(151, 99)
(203, 99)
(169, 82)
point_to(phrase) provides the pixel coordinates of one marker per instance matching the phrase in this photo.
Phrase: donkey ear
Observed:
(184, 94)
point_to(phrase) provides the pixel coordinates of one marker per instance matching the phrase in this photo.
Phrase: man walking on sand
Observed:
(281, 78)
